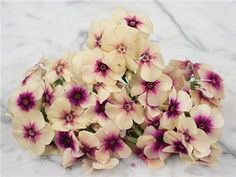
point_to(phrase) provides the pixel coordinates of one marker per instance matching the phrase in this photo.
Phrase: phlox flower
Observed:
(133, 19)
(26, 99)
(150, 62)
(95, 70)
(151, 93)
(32, 132)
(178, 103)
(111, 144)
(59, 68)
(96, 31)
(211, 81)
(209, 120)
(119, 43)
(123, 110)
(142, 142)
(64, 117)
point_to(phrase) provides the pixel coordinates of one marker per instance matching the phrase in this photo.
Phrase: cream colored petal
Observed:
(144, 140)
(124, 151)
(136, 90)
(131, 64)
(67, 159)
(201, 142)
(143, 99)
(88, 138)
(149, 72)
(202, 109)
(102, 94)
(36, 149)
(48, 134)
(102, 155)
(112, 110)
(124, 120)
(165, 83)
(155, 163)
(108, 165)
(168, 123)
(187, 124)
(184, 100)
(155, 99)
(90, 116)
(217, 118)
(138, 115)
(111, 129)
(150, 152)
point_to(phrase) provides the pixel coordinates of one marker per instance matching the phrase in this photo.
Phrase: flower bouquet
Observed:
(99, 105)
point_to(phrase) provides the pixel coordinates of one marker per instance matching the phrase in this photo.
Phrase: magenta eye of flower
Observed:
(100, 108)
(121, 48)
(64, 140)
(132, 21)
(87, 150)
(204, 123)
(173, 108)
(77, 95)
(128, 106)
(112, 143)
(59, 68)
(30, 132)
(69, 117)
(150, 85)
(187, 136)
(179, 147)
(47, 98)
(26, 101)
(98, 40)
(214, 79)
(145, 57)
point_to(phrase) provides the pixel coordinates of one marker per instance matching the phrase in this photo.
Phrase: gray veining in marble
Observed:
(200, 31)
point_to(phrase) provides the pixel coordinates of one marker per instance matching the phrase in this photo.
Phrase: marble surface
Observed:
(200, 31)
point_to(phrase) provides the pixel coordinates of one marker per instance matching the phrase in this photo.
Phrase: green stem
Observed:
(131, 139)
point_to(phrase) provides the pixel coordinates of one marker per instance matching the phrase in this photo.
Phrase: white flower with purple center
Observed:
(78, 95)
(96, 113)
(211, 81)
(150, 62)
(32, 132)
(26, 99)
(142, 142)
(119, 44)
(111, 144)
(64, 117)
(177, 144)
(123, 110)
(96, 31)
(179, 102)
(104, 91)
(194, 136)
(133, 19)
(209, 120)
(59, 68)
(154, 149)
(151, 93)
(95, 70)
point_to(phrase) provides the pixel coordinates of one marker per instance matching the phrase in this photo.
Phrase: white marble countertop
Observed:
(201, 31)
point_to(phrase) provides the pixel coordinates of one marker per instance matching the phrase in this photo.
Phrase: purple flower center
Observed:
(69, 117)
(179, 147)
(128, 106)
(132, 21)
(26, 101)
(172, 111)
(160, 144)
(150, 86)
(214, 79)
(188, 137)
(145, 57)
(64, 140)
(77, 95)
(47, 98)
(204, 123)
(100, 108)
(98, 40)
(112, 143)
(101, 68)
(87, 150)
(30, 132)
(121, 48)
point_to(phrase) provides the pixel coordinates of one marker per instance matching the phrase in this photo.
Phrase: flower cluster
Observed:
(99, 105)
